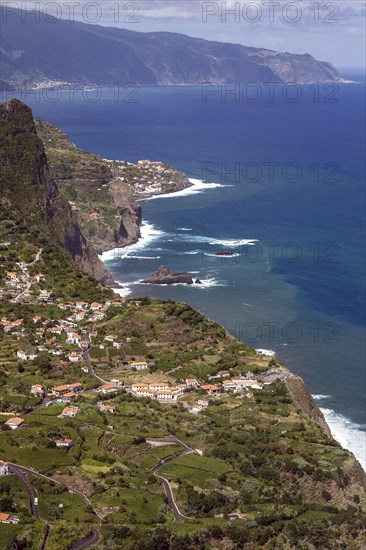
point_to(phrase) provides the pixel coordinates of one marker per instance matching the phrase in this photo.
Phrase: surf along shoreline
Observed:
(343, 430)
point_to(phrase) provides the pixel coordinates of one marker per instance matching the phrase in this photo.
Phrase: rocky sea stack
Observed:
(164, 276)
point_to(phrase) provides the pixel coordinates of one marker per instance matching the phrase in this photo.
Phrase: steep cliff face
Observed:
(305, 402)
(104, 206)
(303, 399)
(30, 198)
(128, 226)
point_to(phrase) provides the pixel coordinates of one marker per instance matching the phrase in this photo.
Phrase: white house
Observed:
(70, 411)
(15, 422)
(191, 382)
(159, 386)
(139, 365)
(74, 357)
(107, 407)
(37, 390)
(106, 389)
(81, 305)
(73, 338)
(4, 468)
(65, 443)
(195, 409)
(26, 356)
(165, 394)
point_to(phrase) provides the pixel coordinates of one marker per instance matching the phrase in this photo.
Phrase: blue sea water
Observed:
(290, 178)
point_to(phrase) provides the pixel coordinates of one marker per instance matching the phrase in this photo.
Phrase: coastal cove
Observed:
(262, 296)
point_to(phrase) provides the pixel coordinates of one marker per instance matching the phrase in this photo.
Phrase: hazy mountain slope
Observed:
(58, 50)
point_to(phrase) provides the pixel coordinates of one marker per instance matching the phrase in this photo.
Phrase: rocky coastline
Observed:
(164, 276)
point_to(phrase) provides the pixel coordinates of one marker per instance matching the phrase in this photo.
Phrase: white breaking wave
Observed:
(350, 435)
(198, 186)
(184, 229)
(125, 291)
(149, 233)
(263, 351)
(205, 283)
(233, 242)
(147, 257)
(320, 396)
(233, 255)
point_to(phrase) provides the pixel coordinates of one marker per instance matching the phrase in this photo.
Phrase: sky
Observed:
(330, 31)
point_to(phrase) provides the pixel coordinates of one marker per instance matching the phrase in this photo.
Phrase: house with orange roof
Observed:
(178, 389)
(211, 389)
(15, 422)
(59, 391)
(165, 394)
(191, 382)
(12, 276)
(8, 518)
(159, 386)
(38, 390)
(70, 411)
(107, 407)
(95, 306)
(228, 385)
(37, 318)
(68, 396)
(64, 443)
(140, 386)
(73, 338)
(55, 330)
(39, 277)
(79, 315)
(107, 388)
(81, 305)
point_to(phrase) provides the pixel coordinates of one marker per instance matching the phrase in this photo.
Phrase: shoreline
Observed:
(348, 434)
(196, 186)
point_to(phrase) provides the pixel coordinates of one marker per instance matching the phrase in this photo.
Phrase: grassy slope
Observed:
(263, 458)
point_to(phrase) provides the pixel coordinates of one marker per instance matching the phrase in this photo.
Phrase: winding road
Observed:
(87, 541)
(91, 371)
(178, 516)
(22, 473)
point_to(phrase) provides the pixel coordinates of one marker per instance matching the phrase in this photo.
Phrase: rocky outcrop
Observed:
(127, 230)
(164, 276)
(304, 401)
(30, 197)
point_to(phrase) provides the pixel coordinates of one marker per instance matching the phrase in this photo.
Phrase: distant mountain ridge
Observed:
(58, 50)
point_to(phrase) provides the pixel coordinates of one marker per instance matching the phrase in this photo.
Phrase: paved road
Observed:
(22, 470)
(178, 516)
(22, 474)
(87, 541)
(89, 365)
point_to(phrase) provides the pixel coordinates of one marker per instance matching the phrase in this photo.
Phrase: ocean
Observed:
(279, 180)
